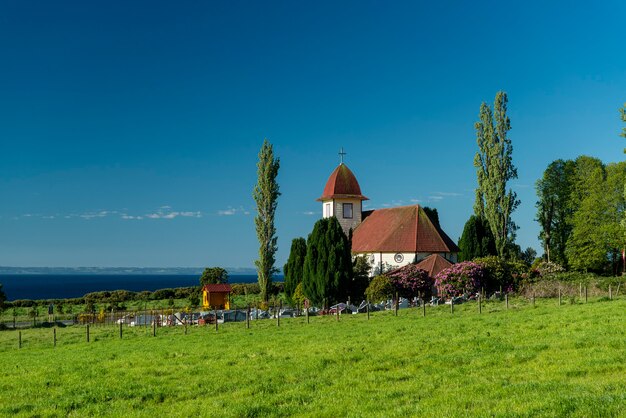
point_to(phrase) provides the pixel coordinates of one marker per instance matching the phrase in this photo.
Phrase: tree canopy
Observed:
(476, 240)
(213, 275)
(494, 168)
(328, 263)
(554, 208)
(295, 265)
(265, 194)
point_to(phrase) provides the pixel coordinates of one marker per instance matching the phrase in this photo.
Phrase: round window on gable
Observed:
(398, 258)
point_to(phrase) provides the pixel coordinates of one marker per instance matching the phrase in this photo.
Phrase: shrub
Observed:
(410, 281)
(238, 289)
(547, 268)
(500, 274)
(459, 279)
(380, 288)
(298, 295)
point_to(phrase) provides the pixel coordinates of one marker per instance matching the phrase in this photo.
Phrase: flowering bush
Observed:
(547, 268)
(410, 281)
(461, 278)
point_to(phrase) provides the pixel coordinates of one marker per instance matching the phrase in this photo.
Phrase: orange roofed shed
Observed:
(216, 296)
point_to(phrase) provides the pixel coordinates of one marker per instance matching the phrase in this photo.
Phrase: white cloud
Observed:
(125, 216)
(435, 198)
(230, 211)
(309, 213)
(448, 194)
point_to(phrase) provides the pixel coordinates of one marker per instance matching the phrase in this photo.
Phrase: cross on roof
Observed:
(342, 153)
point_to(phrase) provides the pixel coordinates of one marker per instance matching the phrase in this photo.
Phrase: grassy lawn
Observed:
(525, 361)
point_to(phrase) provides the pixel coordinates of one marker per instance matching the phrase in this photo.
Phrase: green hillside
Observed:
(525, 361)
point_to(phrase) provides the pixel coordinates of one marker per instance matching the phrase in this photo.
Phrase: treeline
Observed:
(118, 297)
(581, 211)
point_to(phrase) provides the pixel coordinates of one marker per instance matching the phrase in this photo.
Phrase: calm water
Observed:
(52, 286)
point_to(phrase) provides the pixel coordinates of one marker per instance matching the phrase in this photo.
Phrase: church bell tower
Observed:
(342, 197)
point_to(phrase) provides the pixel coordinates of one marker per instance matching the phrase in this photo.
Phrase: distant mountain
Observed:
(233, 271)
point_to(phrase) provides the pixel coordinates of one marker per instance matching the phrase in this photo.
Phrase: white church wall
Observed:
(389, 260)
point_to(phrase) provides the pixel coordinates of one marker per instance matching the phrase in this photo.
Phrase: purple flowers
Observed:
(459, 279)
(410, 281)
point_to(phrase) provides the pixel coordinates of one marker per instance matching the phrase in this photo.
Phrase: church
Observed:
(390, 237)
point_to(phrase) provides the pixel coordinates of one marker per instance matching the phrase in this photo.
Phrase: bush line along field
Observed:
(548, 360)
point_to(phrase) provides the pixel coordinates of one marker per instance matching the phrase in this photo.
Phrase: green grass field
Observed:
(543, 361)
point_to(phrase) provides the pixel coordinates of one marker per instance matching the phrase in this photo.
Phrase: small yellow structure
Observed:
(216, 296)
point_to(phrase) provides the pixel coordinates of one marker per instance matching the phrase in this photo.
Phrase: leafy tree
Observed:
(476, 240)
(585, 247)
(614, 211)
(380, 288)
(433, 215)
(328, 263)
(194, 298)
(494, 164)
(265, 194)
(295, 264)
(554, 208)
(298, 295)
(360, 277)
(528, 256)
(213, 275)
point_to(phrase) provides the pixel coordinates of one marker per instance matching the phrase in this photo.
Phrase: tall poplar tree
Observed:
(295, 264)
(494, 168)
(265, 195)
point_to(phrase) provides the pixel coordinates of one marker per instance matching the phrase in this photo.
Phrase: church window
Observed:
(327, 210)
(347, 210)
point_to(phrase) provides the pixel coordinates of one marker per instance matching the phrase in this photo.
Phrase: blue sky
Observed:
(129, 131)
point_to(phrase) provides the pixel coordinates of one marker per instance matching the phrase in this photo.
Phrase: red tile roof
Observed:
(217, 288)
(400, 229)
(342, 184)
(433, 264)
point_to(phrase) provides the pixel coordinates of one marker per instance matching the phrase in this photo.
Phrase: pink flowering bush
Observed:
(410, 281)
(460, 278)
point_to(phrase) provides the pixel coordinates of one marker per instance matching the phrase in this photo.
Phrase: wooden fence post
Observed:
(306, 312)
(559, 296)
(337, 311)
(397, 302)
(87, 332)
(248, 317)
(585, 294)
(580, 290)
(610, 293)
(367, 307)
(19, 339)
(533, 299)
(54, 337)
(451, 305)
(506, 299)
(121, 330)
(154, 325)
(480, 307)
(280, 307)
(215, 313)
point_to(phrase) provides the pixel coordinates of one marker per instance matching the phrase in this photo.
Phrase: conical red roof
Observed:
(342, 184)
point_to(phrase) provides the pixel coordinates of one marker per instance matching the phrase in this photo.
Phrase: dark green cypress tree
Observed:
(295, 264)
(476, 240)
(328, 263)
